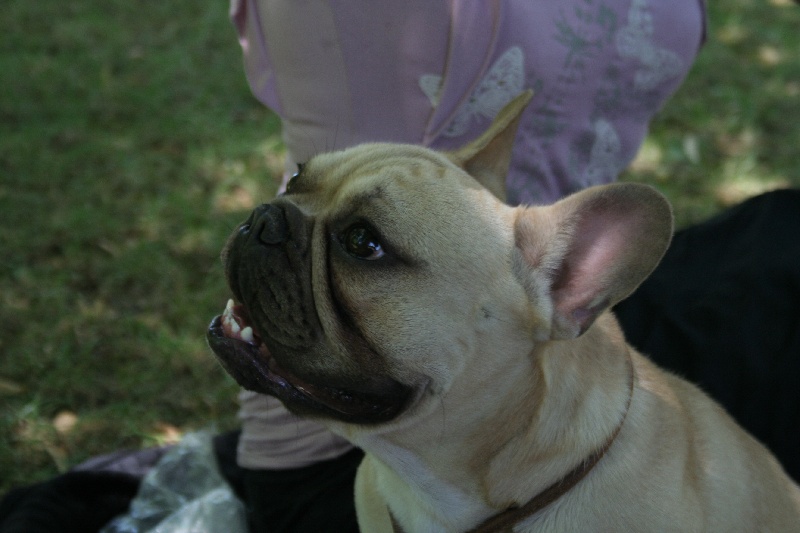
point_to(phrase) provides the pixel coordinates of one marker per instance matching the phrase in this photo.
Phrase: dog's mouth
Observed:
(246, 357)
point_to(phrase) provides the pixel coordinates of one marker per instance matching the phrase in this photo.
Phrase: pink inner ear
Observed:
(592, 249)
(581, 288)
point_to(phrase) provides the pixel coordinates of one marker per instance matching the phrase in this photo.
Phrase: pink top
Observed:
(435, 72)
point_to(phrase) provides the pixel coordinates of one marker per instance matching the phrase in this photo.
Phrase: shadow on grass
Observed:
(731, 130)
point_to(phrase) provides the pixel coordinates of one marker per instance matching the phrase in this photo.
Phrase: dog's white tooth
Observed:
(229, 305)
(247, 334)
(235, 327)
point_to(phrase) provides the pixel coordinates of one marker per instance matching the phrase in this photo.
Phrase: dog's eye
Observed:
(290, 186)
(360, 242)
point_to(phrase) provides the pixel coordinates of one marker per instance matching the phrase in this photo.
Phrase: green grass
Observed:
(733, 128)
(130, 146)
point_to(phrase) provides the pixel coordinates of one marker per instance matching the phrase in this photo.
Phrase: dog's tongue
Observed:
(235, 324)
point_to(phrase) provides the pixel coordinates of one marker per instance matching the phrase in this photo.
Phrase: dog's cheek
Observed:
(350, 308)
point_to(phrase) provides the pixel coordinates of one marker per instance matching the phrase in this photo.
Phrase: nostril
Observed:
(269, 224)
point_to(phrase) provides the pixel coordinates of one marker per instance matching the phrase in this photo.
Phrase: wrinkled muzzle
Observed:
(270, 339)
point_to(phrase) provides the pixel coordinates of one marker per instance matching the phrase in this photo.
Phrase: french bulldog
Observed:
(468, 348)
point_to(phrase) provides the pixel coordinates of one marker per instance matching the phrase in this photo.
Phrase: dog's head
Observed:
(387, 272)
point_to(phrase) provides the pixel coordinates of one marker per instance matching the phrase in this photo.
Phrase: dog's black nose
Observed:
(269, 224)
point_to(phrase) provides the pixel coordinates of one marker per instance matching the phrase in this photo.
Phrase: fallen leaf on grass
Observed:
(9, 388)
(167, 433)
(64, 422)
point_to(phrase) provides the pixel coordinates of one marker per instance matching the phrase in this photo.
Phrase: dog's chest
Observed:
(420, 498)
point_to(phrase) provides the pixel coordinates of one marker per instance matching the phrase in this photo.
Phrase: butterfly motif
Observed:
(635, 41)
(604, 157)
(504, 80)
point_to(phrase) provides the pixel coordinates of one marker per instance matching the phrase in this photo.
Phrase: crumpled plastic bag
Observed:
(184, 493)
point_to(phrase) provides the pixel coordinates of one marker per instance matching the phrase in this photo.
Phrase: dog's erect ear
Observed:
(587, 252)
(487, 158)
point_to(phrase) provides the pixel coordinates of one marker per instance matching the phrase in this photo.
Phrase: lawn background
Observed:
(130, 147)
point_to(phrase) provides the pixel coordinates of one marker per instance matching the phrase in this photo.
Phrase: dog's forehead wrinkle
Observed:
(371, 158)
(393, 181)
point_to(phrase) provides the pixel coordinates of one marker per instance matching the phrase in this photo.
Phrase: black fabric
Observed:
(75, 502)
(311, 499)
(723, 311)
(225, 446)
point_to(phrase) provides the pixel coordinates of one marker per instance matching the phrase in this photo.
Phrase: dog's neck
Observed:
(508, 466)
(505, 520)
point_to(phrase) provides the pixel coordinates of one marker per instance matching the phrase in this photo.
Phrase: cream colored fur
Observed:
(498, 318)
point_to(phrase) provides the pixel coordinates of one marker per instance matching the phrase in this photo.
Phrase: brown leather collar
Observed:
(505, 520)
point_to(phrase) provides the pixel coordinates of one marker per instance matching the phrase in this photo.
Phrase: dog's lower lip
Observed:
(254, 368)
